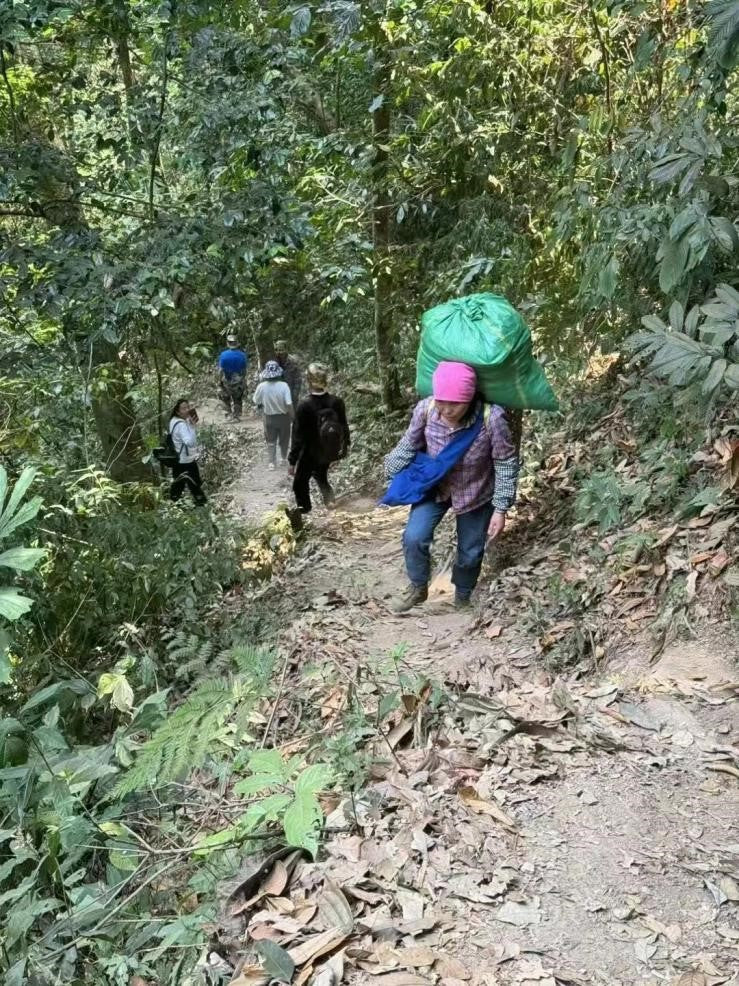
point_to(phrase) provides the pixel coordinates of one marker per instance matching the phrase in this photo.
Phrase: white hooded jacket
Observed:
(185, 440)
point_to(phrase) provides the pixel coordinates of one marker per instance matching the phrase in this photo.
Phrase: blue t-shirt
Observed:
(233, 361)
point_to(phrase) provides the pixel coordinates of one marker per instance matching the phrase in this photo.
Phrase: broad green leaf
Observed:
(19, 491)
(78, 686)
(608, 278)
(114, 829)
(15, 893)
(731, 377)
(313, 779)
(719, 311)
(3, 487)
(729, 295)
(10, 864)
(16, 974)
(267, 762)
(674, 261)
(669, 167)
(268, 809)
(717, 334)
(22, 918)
(217, 840)
(27, 512)
(300, 22)
(277, 962)
(6, 667)
(21, 559)
(12, 604)
(116, 685)
(256, 784)
(388, 703)
(302, 822)
(654, 322)
(725, 232)
(677, 316)
(125, 860)
(715, 376)
(691, 321)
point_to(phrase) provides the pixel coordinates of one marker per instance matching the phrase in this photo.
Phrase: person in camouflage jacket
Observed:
(291, 371)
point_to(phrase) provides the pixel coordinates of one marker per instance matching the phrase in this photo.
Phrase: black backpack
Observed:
(166, 455)
(331, 434)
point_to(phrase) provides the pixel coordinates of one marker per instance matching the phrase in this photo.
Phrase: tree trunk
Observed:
(124, 63)
(381, 214)
(118, 431)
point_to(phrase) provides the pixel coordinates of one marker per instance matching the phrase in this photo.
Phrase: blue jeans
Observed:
(472, 528)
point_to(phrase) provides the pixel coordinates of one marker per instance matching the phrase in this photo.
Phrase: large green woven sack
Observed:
(486, 332)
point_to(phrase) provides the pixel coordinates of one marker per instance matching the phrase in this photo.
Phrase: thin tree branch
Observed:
(606, 71)
(159, 127)
(11, 96)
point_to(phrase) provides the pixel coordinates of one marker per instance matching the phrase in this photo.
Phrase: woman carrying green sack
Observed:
(480, 487)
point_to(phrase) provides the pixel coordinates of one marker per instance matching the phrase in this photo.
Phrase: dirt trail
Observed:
(598, 844)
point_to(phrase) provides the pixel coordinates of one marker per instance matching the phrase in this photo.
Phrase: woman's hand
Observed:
(497, 525)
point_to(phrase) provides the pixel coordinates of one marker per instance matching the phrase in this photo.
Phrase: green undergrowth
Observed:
(114, 852)
(135, 666)
(602, 488)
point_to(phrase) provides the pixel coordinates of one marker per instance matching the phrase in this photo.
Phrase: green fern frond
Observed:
(183, 741)
(254, 662)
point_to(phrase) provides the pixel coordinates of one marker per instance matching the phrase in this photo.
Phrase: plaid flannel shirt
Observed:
(487, 472)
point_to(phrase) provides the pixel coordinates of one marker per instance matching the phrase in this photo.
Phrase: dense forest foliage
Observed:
(171, 171)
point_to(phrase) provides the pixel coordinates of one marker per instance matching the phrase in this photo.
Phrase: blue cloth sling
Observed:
(416, 482)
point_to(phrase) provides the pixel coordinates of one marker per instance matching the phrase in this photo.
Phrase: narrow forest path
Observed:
(530, 829)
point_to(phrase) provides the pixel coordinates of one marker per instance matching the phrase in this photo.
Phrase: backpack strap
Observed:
(185, 446)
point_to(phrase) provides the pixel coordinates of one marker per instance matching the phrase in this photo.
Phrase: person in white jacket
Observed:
(185, 472)
(273, 398)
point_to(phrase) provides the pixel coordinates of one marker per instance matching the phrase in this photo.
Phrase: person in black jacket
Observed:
(320, 437)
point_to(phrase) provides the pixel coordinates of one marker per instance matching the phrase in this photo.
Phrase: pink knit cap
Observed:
(454, 382)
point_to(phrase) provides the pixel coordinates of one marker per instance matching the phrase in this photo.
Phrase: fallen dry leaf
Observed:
(690, 979)
(332, 972)
(416, 957)
(493, 631)
(730, 888)
(520, 915)
(277, 880)
(400, 979)
(450, 968)
(334, 910)
(672, 932)
(316, 945)
(470, 798)
(251, 975)
(334, 702)
(398, 733)
(696, 522)
(304, 975)
(718, 563)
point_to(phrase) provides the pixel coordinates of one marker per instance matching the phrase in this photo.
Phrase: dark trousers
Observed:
(277, 429)
(307, 469)
(186, 475)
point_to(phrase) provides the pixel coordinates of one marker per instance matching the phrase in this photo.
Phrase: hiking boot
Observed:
(414, 595)
(462, 602)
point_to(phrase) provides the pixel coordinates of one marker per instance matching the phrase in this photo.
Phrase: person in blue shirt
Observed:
(232, 364)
